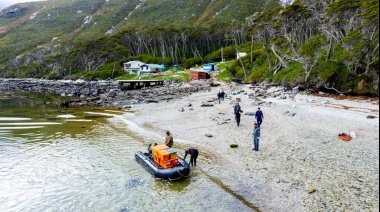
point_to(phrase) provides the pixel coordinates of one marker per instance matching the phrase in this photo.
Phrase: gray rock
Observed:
(326, 102)
(250, 114)
(112, 93)
(296, 90)
(207, 105)
(209, 135)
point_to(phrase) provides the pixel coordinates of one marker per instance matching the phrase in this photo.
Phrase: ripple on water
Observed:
(98, 172)
(14, 119)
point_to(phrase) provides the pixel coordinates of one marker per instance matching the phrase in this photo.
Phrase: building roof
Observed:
(136, 61)
(154, 66)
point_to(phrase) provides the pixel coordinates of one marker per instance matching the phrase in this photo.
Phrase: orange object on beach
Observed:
(345, 138)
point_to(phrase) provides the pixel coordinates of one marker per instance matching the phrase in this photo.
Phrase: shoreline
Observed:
(301, 164)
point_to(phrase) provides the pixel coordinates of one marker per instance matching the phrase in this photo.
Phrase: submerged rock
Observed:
(134, 183)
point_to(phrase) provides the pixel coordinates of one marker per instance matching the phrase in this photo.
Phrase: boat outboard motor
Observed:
(150, 147)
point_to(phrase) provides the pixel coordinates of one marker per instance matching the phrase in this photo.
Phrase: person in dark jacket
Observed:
(237, 112)
(193, 156)
(219, 96)
(150, 150)
(259, 117)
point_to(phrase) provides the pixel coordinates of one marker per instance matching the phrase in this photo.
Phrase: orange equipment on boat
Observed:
(164, 156)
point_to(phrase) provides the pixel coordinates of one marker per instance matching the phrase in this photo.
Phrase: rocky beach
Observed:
(301, 165)
(104, 93)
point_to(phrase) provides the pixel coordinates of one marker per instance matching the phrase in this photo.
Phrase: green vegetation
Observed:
(290, 45)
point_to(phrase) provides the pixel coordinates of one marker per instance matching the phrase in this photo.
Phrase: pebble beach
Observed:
(301, 165)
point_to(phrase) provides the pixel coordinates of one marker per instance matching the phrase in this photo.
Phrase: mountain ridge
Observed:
(330, 44)
(38, 23)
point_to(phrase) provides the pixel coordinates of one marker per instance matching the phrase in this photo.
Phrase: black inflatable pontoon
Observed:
(175, 173)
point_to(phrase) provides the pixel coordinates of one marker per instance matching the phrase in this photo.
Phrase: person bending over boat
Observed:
(193, 156)
(150, 150)
(169, 139)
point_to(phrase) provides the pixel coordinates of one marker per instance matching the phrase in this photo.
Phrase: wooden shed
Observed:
(199, 75)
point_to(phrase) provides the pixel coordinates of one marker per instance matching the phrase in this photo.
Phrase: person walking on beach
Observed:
(259, 117)
(256, 137)
(169, 139)
(219, 96)
(237, 111)
(193, 156)
(223, 94)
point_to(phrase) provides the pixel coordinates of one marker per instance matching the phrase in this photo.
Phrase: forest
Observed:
(326, 44)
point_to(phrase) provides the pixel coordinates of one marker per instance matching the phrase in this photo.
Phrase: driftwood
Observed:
(334, 89)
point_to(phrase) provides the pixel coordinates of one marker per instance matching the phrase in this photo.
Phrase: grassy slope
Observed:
(54, 19)
(60, 19)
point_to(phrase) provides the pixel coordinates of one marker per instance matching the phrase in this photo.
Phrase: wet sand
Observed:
(301, 165)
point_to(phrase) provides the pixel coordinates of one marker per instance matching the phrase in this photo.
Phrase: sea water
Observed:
(82, 159)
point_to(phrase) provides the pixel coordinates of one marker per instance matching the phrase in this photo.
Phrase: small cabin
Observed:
(199, 75)
(210, 67)
(151, 69)
(133, 67)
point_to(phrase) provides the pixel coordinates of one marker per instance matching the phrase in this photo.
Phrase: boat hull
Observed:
(176, 173)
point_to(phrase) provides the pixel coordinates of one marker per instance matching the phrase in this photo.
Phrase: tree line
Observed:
(325, 44)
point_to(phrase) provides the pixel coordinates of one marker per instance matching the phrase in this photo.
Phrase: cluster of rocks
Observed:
(165, 93)
(274, 92)
(99, 93)
(59, 87)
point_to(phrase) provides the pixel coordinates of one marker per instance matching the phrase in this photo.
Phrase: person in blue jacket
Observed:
(256, 137)
(259, 117)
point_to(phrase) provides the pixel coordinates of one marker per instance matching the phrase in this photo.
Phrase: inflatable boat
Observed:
(182, 170)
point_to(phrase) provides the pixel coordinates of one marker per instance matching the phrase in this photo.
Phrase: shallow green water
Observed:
(49, 162)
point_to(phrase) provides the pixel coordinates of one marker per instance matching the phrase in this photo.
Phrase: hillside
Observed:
(26, 26)
(328, 45)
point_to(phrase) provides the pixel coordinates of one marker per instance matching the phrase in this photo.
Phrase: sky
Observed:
(7, 3)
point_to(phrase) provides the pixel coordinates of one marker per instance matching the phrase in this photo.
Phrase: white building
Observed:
(133, 67)
(241, 55)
